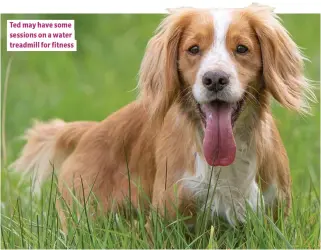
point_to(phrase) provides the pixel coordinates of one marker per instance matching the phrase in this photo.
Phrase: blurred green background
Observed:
(101, 77)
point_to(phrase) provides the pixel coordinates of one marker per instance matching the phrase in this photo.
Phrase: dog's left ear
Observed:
(283, 64)
(159, 82)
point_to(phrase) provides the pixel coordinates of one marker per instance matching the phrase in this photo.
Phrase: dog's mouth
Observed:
(218, 119)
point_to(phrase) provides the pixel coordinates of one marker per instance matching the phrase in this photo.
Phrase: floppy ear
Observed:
(283, 68)
(159, 83)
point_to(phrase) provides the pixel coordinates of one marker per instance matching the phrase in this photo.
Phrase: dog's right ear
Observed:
(283, 63)
(159, 83)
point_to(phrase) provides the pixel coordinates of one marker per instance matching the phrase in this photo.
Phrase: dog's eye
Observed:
(194, 50)
(241, 49)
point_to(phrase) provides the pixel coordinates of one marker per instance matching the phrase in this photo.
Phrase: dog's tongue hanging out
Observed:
(219, 144)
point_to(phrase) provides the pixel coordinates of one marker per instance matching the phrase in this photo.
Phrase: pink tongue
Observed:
(219, 144)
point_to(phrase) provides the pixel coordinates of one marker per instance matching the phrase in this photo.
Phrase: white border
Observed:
(148, 6)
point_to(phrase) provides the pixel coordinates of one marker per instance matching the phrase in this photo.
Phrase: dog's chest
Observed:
(226, 189)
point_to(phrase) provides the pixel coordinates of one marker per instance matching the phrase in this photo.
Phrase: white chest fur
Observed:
(227, 189)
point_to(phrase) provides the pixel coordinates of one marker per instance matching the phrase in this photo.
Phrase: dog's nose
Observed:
(215, 80)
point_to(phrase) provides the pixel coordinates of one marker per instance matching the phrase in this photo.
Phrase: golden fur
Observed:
(153, 137)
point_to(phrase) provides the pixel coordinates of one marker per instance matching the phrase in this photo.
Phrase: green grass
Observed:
(98, 79)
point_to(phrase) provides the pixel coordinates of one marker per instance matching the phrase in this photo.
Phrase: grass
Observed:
(97, 80)
(34, 223)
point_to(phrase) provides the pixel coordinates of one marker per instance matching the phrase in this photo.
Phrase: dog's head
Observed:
(216, 63)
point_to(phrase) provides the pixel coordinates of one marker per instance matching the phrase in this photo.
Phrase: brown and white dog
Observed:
(204, 105)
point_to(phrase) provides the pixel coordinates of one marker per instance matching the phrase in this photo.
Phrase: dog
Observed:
(201, 123)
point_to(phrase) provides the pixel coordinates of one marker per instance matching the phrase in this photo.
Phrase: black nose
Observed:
(215, 80)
